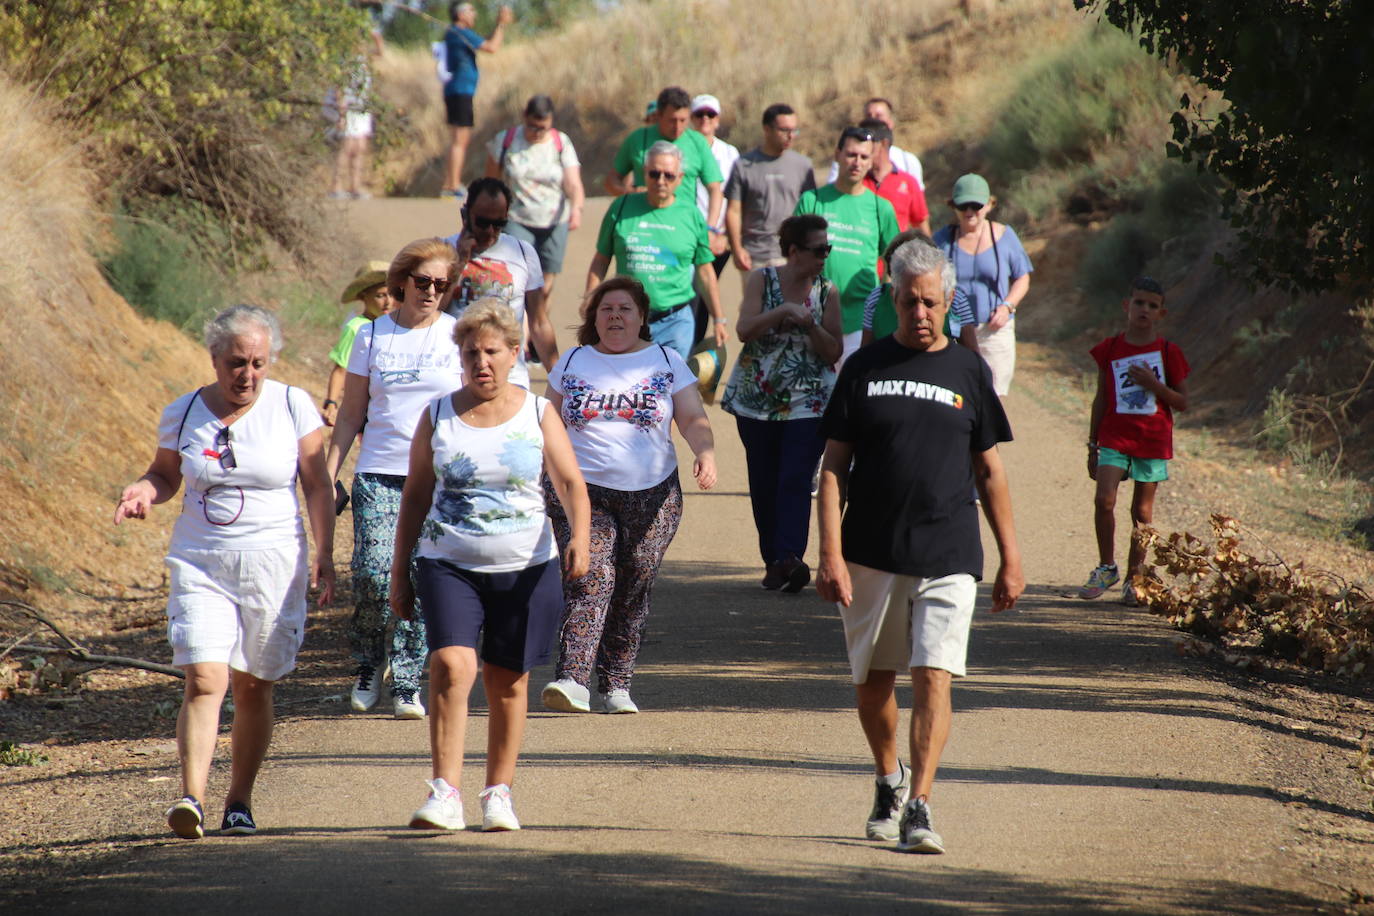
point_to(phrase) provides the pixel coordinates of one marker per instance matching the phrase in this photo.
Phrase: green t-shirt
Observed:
(659, 248)
(345, 345)
(697, 161)
(860, 227)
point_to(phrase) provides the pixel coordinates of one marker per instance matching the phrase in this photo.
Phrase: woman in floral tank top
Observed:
(790, 324)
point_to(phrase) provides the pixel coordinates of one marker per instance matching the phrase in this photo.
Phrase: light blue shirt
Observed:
(986, 277)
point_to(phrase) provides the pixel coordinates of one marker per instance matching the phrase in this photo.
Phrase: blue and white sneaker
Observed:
(238, 821)
(186, 818)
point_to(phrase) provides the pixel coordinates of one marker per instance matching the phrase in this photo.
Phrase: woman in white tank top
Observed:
(486, 565)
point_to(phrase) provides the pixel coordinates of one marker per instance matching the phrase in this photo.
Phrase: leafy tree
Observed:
(1294, 138)
(214, 102)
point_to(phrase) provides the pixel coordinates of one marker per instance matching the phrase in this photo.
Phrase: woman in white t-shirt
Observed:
(472, 513)
(618, 394)
(537, 161)
(399, 363)
(239, 561)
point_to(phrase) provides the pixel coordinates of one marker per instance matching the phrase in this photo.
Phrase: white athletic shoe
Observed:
(618, 702)
(566, 695)
(443, 810)
(406, 705)
(497, 812)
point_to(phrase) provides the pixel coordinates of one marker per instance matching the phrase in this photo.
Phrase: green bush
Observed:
(408, 30)
(1089, 95)
(157, 266)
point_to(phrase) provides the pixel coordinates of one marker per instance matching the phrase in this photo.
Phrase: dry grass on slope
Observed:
(945, 71)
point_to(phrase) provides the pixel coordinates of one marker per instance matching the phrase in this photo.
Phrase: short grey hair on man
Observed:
(919, 257)
(664, 148)
(237, 321)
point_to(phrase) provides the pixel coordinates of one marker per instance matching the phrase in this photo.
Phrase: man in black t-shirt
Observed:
(911, 429)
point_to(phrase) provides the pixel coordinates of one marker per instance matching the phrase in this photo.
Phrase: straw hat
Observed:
(371, 274)
(707, 361)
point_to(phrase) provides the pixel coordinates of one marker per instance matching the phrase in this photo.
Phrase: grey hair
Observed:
(237, 321)
(919, 257)
(663, 148)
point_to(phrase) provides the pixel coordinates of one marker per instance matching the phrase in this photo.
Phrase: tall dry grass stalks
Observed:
(943, 65)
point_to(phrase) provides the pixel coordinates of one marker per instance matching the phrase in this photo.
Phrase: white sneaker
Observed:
(497, 813)
(618, 701)
(443, 810)
(566, 695)
(406, 705)
(367, 685)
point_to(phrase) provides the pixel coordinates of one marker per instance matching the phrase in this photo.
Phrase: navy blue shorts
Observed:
(515, 613)
(458, 110)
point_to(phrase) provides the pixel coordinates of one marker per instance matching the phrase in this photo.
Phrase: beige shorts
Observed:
(244, 608)
(998, 348)
(899, 622)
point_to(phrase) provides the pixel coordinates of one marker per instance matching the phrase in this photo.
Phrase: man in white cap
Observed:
(706, 120)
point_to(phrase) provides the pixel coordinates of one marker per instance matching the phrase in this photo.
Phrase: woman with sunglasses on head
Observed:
(399, 363)
(537, 161)
(790, 324)
(993, 271)
(238, 561)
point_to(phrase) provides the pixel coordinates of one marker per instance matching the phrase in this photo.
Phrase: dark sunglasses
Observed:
(482, 222)
(658, 175)
(423, 283)
(706, 113)
(227, 461)
(968, 206)
(819, 251)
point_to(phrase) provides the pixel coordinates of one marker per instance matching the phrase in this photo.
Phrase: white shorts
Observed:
(244, 608)
(357, 124)
(851, 342)
(998, 348)
(899, 622)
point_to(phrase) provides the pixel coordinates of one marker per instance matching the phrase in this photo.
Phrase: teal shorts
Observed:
(1145, 470)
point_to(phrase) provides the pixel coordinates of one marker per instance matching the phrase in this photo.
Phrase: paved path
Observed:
(1089, 769)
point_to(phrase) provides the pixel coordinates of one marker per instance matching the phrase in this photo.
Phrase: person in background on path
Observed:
(1141, 381)
(369, 288)
(880, 316)
(670, 126)
(238, 559)
(537, 161)
(789, 322)
(994, 272)
(862, 225)
(497, 264)
(661, 244)
(399, 363)
(706, 120)
(763, 190)
(462, 45)
(898, 188)
(912, 428)
(354, 127)
(619, 395)
(650, 113)
(485, 561)
(880, 109)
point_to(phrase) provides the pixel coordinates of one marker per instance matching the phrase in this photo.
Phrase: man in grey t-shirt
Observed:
(763, 190)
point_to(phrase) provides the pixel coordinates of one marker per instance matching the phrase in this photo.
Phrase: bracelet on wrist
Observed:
(329, 401)
(722, 321)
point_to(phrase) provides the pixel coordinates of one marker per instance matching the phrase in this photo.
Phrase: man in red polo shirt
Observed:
(901, 189)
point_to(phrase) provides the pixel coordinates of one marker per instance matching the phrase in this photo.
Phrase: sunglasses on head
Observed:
(968, 206)
(856, 133)
(423, 283)
(660, 175)
(482, 222)
(227, 461)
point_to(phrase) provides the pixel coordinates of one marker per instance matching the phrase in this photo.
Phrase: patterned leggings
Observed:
(605, 610)
(376, 507)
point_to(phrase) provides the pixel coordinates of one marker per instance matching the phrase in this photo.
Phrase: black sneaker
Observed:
(238, 821)
(797, 575)
(773, 577)
(186, 817)
(916, 832)
(887, 807)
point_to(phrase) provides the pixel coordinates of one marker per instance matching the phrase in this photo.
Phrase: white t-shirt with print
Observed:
(405, 369)
(507, 270)
(243, 496)
(535, 176)
(726, 156)
(618, 408)
(487, 514)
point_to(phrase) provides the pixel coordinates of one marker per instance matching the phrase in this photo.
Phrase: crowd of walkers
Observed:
(493, 526)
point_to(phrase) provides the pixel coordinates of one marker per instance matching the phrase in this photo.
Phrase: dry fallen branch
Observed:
(75, 650)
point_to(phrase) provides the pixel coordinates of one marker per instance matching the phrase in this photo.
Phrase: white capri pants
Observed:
(998, 348)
